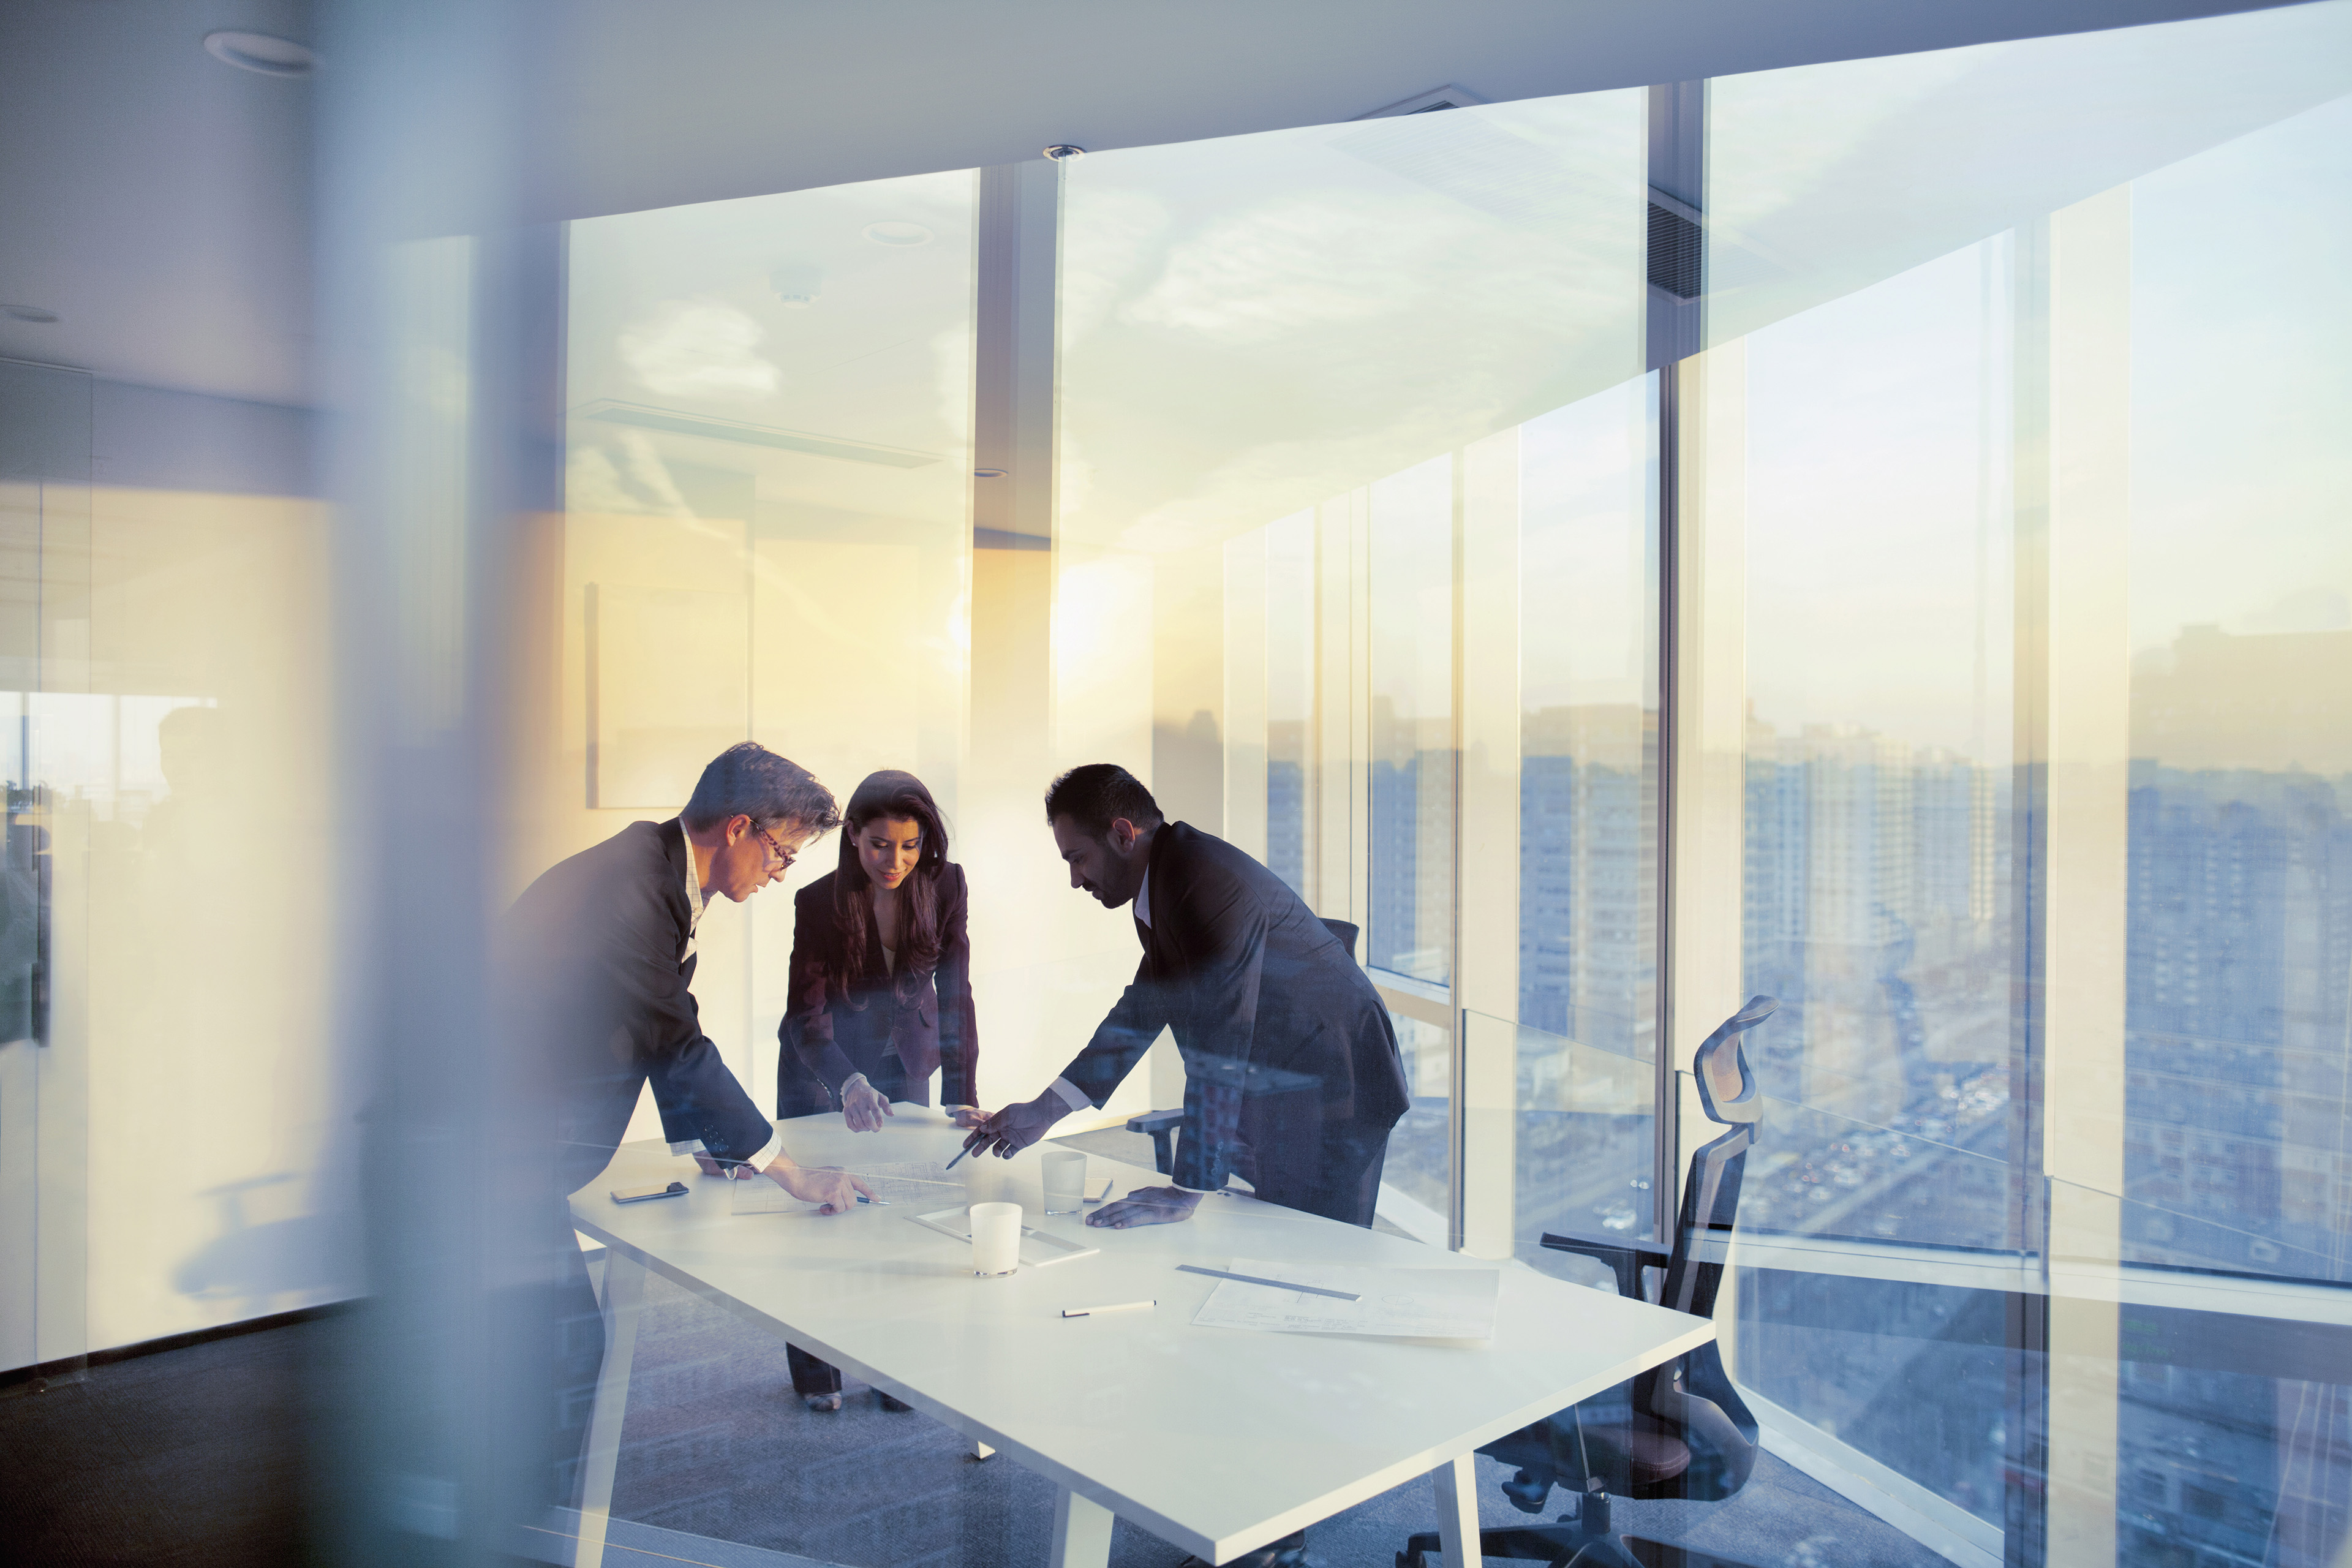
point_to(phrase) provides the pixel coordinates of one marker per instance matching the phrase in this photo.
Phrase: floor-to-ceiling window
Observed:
(1998, 505)
(2043, 775)
(2237, 1129)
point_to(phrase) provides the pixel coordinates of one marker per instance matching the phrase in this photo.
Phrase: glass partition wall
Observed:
(2029, 459)
(1870, 535)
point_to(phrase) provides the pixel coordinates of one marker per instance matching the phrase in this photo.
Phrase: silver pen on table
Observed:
(1276, 1284)
(1097, 1311)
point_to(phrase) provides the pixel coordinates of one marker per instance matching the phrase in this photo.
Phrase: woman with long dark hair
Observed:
(880, 993)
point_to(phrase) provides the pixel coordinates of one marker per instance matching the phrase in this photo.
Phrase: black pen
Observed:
(952, 1164)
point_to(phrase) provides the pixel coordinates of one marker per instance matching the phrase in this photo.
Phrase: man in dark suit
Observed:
(1292, 1078)
(600, 953)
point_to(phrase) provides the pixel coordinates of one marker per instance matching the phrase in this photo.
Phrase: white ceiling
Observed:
(159, 201)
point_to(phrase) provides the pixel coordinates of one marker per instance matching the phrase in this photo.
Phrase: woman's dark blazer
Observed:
(829, 1033)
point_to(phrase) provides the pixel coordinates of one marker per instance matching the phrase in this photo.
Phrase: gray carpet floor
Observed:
(187, 1459)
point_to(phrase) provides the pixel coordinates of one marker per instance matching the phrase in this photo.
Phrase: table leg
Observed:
(1457, 1511)
(1081, 1532)
(625, 1292)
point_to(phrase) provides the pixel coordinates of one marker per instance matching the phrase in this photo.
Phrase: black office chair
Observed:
(1161, 1125)
(1679, 1430)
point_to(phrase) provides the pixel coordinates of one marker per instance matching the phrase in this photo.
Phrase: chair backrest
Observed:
(1710, 1206)
(1696, 1395)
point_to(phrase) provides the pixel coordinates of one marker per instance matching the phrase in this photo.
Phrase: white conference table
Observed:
(1217, 1440)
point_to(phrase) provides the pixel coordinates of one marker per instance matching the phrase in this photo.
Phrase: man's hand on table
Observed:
(1016, 1127)
(1146, 1206)
(861, 1105)
(966, 1116)
(836, 1190)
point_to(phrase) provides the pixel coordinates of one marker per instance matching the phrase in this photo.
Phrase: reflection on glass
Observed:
(2232, 1457)
(1290, 697)
(1588, 737)
(1927, 265)
(1909, 1373)
(1418, 1157)
(1255, 324)
(1584, 1146)
(2240, 937)
(1412, 846)
(2238, 1131)
(767, 533)
(1909, 1367)
(1878, 654)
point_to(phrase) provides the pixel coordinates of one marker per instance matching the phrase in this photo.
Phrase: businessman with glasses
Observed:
(599, 956)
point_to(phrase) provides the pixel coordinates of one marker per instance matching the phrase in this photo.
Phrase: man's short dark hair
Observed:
(749, 780)
(1095, 795)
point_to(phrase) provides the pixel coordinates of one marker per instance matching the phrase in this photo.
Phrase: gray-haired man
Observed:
(600, 954)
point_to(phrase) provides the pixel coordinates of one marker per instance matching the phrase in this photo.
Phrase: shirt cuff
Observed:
(774, 1146)
(1072, 1095)
(758, 1161)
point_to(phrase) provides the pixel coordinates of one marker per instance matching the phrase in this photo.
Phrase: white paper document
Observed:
(1402, 1303)
(905, 1185)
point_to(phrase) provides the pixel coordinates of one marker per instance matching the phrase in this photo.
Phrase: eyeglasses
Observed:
(784, 856)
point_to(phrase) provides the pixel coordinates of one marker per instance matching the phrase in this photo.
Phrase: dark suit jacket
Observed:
(831, 1031)
(597, 950)
(1288, 1053)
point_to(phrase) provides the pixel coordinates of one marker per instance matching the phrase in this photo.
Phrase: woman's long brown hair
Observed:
(891, 793)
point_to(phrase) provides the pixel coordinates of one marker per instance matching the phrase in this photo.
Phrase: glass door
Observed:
(45, 463)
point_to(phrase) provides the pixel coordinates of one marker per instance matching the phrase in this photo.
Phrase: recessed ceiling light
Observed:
(897, 234)
(260, 52)
(27, 313)
(1063, 152)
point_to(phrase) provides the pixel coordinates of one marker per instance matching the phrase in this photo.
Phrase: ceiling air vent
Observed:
(1446, 97)
(1675, 255)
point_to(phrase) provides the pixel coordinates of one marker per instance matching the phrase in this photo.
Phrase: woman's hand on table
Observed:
(1146, 1206)
(861, 1105)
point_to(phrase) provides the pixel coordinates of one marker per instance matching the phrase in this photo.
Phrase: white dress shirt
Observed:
(758, 1161)
(1072, 1095)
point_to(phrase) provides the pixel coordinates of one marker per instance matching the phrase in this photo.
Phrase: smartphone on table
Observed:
(658, 1190)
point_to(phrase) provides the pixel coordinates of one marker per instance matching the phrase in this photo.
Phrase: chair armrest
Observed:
(1626, 1257)
(1162, 1125)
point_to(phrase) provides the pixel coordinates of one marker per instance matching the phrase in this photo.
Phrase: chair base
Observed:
(1566, 1545)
